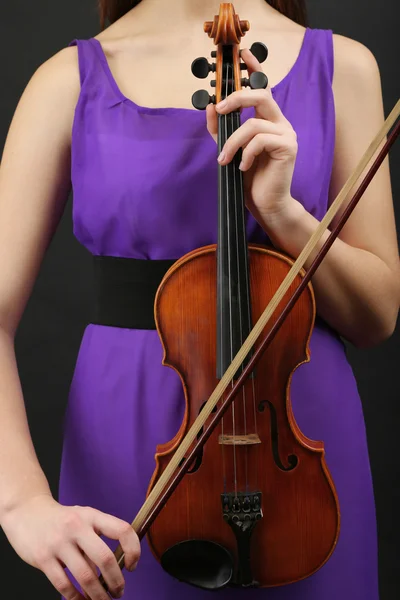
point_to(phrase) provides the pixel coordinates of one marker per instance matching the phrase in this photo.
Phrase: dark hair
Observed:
(112, 10)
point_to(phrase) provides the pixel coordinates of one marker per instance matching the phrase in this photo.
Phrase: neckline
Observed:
(161, 110)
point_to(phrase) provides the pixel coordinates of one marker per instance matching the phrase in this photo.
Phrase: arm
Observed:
(34, 187)
(357, 286)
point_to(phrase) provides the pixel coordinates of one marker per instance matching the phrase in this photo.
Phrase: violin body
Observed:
(258, 448)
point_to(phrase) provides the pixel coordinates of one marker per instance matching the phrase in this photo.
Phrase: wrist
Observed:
(283, 219)
(27, 505)
(25, 494)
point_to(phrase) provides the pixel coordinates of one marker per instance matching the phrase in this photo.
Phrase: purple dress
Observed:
(145, 186)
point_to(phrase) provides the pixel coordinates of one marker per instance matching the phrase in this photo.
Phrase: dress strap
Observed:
(93, 73)
(85, 57)
(328, 53)
(319, 51)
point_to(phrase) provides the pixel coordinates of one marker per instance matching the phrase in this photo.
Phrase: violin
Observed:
(258, 506)
(240, 496)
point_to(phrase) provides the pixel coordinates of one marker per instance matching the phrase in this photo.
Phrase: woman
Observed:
(144, 181)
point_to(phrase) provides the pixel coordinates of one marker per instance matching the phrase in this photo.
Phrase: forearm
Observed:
(20, 473)
(355, 291)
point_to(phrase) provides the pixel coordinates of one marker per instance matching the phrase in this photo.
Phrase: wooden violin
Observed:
(255, 505)
(258, 506)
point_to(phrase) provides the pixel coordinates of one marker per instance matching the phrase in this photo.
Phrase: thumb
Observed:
(212, 121)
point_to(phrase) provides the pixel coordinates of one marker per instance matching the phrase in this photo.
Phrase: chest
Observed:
(145, 178)
(159, 74)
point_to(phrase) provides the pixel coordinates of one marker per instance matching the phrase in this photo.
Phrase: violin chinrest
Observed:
(201, 563)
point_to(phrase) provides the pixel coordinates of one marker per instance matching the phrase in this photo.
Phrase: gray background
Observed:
(50, 331)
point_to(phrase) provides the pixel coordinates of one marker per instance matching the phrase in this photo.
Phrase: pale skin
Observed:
(357, 287)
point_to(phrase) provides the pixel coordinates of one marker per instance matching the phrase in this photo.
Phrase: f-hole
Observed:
(292, 458)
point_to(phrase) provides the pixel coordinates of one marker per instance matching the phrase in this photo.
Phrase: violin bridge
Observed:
(239, 440)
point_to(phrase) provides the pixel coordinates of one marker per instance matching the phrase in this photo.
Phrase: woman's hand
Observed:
(269, 145)
(51, 537)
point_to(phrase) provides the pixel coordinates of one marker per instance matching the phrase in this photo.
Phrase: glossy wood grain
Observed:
(300, 521)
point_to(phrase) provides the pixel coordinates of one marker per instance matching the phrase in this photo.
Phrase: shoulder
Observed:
(51, 94)
(60, 72)
(54, 88)
(359, 108)
(357, 88)
(355, 67)
(56, 79)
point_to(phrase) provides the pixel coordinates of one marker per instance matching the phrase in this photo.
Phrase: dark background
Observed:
(49, 334)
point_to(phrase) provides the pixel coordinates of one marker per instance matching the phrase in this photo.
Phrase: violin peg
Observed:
(201, 67)
(201, 99)
(258, 80)
(260, 51)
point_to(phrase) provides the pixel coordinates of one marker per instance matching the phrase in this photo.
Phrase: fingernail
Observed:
(241, 165)
(221, 104)
(221, 157)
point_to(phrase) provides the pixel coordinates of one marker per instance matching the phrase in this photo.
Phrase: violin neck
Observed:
(233, 288)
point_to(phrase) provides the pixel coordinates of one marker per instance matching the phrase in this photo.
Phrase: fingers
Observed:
(242, 136)
(104, 558)
(59, 579)
(94, 568)
(252, 63)
(212, 121)
(262, 100)
(65, 544)
(86, 552)
(91, 562)
(256, 136)
(270, 143)
(88, 579)
(117, 529)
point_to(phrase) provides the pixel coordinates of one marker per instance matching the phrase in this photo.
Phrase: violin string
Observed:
(249, 323)
(228, 168)
(249, 315)
(255, 427)
(248, 307)
(220, 321)
(252, 377)
(240, 229)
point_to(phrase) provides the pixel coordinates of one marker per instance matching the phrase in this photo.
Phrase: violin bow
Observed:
(192, 443)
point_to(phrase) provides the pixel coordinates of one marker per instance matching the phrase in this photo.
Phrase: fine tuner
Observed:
(201, 68)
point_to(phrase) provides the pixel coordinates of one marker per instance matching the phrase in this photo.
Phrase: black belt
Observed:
(125, 290)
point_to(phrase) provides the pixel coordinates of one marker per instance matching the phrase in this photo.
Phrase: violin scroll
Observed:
(227, 30)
